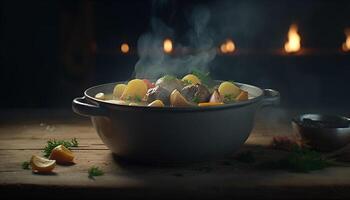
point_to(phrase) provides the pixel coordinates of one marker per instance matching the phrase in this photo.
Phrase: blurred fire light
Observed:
(293, 43)
(168, 46)
(346, 44)
(125, 48)
(228, 46)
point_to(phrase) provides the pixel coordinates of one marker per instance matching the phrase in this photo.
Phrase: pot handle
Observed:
(84, 108)
(271, 98)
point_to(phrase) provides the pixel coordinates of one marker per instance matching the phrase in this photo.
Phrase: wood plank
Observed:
(19, 139)
(91, 143)
(117, 174)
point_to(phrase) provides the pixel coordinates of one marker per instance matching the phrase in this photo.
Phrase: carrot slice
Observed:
(210, 104)
(242, 96)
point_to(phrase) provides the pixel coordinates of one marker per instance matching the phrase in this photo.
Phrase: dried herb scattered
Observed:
(51, 144)
(95, 171)
(25, 165)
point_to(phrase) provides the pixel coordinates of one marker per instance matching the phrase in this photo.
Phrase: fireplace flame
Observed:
(168, 46)
(228, 46)
(346, 44)
(293, 43)
(124, 48)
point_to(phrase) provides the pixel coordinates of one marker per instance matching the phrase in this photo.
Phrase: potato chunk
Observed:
(100, 96)
(243, 96)
(192, 79)
(229, 89)
(118, 90)
(135, 89)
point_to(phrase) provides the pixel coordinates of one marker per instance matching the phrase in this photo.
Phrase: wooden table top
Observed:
(26, 134)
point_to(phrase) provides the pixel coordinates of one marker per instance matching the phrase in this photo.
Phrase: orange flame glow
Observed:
(124, 48)
(168, 46)
(223, 48)
(346, 44)
(228, 47)
(293, 43)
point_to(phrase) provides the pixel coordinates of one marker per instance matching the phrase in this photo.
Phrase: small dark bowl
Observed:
(322, 132)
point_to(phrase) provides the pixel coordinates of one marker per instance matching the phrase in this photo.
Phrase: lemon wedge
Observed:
(62, 155)
(42, 165)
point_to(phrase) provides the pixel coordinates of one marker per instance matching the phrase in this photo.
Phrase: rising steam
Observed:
(154, 62)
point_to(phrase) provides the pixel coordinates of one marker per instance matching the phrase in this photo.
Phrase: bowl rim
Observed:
(297, 119)
(168, 108)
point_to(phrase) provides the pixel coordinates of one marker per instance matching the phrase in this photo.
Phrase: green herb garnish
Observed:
(129, 98)
(228, 98)
(300, 160)
(51, 144)
(95, 171)
(195, 99)
(305, 160)
(74, 142)
(138, 98)
(168, 78)
(204, 77)
(25, 165)
(187, 82)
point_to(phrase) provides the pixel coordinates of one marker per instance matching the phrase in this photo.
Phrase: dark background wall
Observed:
(52, 50)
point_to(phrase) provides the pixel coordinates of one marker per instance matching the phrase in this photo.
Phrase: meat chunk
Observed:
(196, 93)
(160, 93)
(170, 83)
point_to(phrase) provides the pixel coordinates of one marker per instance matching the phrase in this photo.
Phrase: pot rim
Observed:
(168, 108)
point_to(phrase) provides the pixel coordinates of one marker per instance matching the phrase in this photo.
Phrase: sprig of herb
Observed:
(187, 82)
(204, 77)
(51, 144)
(138, 98)
(25, 165)
(95, 171)
(300, 160)
(75, 142)
(195, 99)
(305, 160)
(228, 98)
